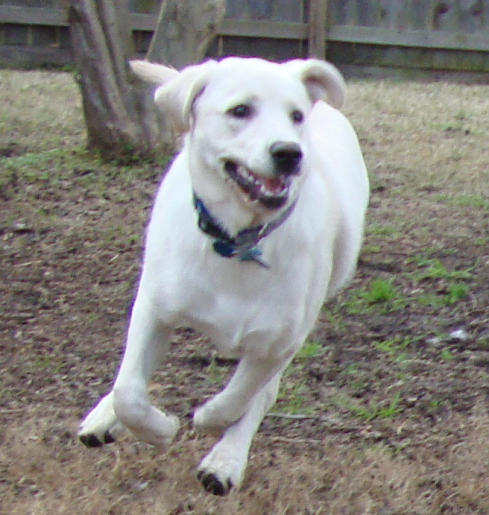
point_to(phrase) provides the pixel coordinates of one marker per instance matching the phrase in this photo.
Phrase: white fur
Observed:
(260, 315)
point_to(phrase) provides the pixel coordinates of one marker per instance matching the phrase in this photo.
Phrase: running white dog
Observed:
(258, 221)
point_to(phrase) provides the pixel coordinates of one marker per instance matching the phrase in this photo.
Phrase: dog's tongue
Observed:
(274, 184)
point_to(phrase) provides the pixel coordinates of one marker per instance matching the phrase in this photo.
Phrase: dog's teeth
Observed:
(266, 193)
(256, 187)
(250, 177)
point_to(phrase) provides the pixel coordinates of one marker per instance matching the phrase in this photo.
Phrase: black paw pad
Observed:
(108, 438)
(213, 485)
(90, 440)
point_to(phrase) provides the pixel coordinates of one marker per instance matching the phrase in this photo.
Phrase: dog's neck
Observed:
(243, 245)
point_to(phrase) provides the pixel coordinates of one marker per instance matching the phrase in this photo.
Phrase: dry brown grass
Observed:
(385, 430)
(44, 472)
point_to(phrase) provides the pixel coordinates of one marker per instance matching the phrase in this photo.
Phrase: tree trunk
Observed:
(121, 120)
(119, 124)
(184, 31)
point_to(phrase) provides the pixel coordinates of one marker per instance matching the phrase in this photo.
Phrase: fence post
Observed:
(318, 19)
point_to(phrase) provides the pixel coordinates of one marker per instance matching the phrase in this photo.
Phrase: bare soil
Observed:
(385, 411)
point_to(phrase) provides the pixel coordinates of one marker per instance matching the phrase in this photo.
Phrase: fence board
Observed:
(393, 14)
(264, 29)
(36, 57)
(33, 16)
(444, 19)
(368, 14)
(144, 6)
(33, 3)
(410, 38)
(318, 13)
(444, 34)
(345, 12)
(146, 22)
(471, 15)
(265, 10)
(446, 16)
(421, 14)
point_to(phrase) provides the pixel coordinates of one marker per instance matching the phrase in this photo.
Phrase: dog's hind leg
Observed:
(224, 467)
(128, 404)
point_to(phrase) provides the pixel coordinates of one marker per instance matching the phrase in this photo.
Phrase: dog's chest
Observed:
(237, 304)
(234, 310)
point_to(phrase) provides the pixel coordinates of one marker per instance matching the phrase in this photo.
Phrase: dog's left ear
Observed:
(177, 90)
(322, 80)
(178, 96)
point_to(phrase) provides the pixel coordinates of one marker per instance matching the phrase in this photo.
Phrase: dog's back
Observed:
(339, 159)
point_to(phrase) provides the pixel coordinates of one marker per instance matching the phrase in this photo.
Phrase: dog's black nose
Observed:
(286, 157)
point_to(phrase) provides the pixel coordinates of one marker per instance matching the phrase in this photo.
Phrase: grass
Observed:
(373, 410)
(310, 350)
(29, 121)
(472, 200)
(385, 422)
(394, 346)
(433, 268)
(431, 284)
(381, 294)
(454, 293)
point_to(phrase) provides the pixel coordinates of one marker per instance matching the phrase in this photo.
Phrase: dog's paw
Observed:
(220, 472)
(100, 426)
(93, 440)
(93, 435)
(213, 485)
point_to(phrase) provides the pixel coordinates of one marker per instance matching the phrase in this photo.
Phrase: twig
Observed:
(293, 416)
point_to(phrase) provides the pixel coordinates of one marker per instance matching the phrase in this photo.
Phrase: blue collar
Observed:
(244, 245)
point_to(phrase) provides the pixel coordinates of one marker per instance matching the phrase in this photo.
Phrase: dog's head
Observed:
(245, 120)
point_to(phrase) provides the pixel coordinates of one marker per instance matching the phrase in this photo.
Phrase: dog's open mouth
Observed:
(271, 192)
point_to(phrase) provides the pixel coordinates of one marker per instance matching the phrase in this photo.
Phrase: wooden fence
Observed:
(448, 35)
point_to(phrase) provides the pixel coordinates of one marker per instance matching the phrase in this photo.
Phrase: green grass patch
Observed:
(472, 200)
(310, 350)
(386, 409)
(381, 295)
(433, 268)
(394, 346)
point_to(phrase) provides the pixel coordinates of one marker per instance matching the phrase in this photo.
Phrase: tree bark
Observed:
(122, 122)
(119, 123)
(185, 30)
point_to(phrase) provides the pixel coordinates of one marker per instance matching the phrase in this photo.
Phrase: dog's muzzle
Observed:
(272, 192)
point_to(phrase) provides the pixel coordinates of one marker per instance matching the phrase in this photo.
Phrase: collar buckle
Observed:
(244, 245)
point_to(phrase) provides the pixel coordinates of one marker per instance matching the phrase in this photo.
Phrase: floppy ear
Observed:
(178, 90)
(152, 72)
(322, 80)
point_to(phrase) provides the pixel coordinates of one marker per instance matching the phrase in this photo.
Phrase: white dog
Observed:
(258, 221)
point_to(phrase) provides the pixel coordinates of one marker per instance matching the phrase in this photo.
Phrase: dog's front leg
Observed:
(101, 425)
(224, 467)
(250, 378)
(128, 403)
(147, 342)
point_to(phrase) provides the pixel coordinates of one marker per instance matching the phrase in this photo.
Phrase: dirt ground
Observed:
(384, 411)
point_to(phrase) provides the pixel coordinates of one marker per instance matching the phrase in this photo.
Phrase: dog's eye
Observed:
(297, 116)
(241, 111)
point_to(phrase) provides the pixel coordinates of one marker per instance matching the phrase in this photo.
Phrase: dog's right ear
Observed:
(177, 90)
